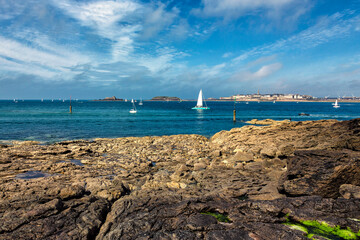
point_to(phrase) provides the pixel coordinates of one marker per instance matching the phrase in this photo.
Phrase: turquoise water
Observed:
(50, 121)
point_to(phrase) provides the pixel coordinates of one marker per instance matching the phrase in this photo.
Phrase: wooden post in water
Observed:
(70, 105)
(234, 112)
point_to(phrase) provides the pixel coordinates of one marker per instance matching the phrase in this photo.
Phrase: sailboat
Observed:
(199, 104)
(140, 103)
(133, 110)
(336, 105)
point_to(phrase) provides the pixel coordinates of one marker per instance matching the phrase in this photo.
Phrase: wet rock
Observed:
(321, 173)
(166, 215)
(349, 191)
(74, 219)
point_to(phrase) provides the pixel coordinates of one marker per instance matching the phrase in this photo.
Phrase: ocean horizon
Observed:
(50, 121)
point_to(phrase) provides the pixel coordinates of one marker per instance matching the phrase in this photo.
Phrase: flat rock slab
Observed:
(321, 173)
(164, 217)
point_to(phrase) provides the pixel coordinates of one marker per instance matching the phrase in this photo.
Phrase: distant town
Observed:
(283, 97)
(252, 97)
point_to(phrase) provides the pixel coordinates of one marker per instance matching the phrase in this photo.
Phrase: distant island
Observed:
(113, 98)
(165, 98)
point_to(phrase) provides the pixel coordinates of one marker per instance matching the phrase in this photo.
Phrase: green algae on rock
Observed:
(220, 217)
(314, 229)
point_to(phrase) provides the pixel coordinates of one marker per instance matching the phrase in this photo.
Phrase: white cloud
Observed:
(98, 14)
(180, 31)
(266, 70)
(128, 24)
(15, 50)
(157, 19)
(27, 68)
(11, 9)
(232, 9)
(263, 72)
(210, 72)
(22, 58)
(338, 25)
(227, 54)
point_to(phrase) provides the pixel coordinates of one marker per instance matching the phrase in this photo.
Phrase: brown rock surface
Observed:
(349, 191)
(158, 187)
(317, 172)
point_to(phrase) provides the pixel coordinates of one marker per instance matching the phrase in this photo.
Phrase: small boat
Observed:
(247, 103)
(199, 104)
(336, 105)
(304, 114)
(274, 101)
(133, 110)
(140, 103)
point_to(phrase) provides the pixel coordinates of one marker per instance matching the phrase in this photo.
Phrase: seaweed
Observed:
(313, 228)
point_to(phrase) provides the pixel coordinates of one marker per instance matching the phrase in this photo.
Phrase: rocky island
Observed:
(108, 99)
(283, 180)
(165, 98)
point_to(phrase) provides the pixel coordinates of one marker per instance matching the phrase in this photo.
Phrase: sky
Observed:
(140, 49)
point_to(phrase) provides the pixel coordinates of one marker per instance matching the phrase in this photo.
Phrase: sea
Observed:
(50, 121)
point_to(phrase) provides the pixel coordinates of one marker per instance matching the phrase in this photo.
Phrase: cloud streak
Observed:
(336, 26)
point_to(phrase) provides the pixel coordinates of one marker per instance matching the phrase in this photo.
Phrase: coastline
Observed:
(254, 177)
(255, 100)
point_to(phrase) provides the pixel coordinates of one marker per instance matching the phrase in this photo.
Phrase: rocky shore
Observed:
(283, 180)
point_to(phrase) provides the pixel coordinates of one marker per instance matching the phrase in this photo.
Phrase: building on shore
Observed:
(268, 97)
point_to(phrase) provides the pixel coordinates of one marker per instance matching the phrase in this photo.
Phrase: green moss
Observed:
(312, 229)
(220, 217)
(297, 227)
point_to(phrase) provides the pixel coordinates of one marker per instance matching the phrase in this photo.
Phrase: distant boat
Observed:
(274, 101)
(247, 103)
(133, 110)
(140, 103)
(336, 105)
(199, 104)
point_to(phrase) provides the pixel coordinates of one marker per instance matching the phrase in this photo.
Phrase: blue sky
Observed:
(132, 48)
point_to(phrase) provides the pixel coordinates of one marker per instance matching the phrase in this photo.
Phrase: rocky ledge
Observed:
(286, 180)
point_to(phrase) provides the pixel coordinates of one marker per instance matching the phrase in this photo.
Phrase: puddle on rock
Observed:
(31, 175)
(76, 162)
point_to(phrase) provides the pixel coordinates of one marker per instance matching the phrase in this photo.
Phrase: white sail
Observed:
(133, 110)
(200, 101)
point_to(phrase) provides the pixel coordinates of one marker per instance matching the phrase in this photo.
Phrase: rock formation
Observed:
(247, 183)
